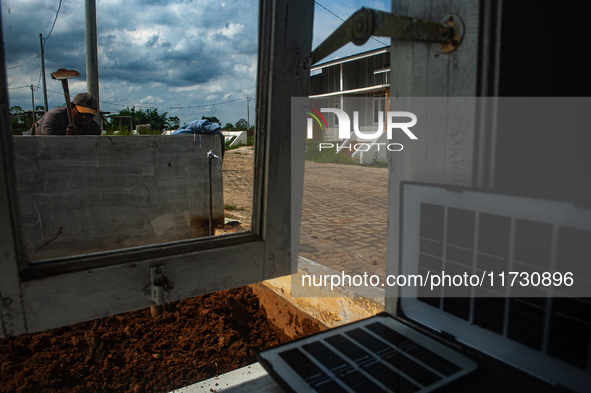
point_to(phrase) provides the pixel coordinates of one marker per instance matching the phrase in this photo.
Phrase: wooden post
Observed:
(157, 310)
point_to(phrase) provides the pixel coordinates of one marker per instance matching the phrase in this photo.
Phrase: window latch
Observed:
(158, 287)
(369, 22)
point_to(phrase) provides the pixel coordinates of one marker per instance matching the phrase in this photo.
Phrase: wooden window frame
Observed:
(35, 298)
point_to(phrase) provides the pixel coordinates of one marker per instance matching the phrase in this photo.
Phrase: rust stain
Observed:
(199, 225)
(54, 238)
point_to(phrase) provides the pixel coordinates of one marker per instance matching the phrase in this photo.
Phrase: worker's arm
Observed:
(52, 124)
(71, 130)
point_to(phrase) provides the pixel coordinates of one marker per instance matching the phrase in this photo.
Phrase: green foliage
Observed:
(241, 125)
(377, 164)
(313, 153)
(174, 123)
(228, 142)
(212, 119)
(21, 120)
(228, 127)
(159, 122)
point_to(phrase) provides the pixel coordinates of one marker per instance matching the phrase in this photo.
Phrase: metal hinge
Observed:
(158, 287)
(368, 22)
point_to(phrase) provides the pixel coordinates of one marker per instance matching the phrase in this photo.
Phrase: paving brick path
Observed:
(344, 213)
(344, 217)
(237, 177)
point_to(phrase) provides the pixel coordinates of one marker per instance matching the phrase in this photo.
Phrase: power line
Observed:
(373, 38)
(204, 106)
(19, 87)
(317, 3)
(43, 41)
(54, 20)
(176, 107)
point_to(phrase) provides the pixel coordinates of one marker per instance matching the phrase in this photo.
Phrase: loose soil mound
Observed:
(192, 340)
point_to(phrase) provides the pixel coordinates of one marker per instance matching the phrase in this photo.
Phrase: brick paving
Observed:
(344, 212)
(238, 174)
(344, 217)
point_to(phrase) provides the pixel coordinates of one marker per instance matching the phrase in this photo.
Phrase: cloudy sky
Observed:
(188, 58)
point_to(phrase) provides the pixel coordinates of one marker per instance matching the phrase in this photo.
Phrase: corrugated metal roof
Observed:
(351, 58)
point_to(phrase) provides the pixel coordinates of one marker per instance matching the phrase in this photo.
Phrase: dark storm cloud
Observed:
(204, 45)
(164, 53)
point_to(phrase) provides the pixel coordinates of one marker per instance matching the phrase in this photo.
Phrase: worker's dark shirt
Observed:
(55, 122)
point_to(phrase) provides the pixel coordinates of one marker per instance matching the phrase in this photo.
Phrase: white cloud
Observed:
(153, 53)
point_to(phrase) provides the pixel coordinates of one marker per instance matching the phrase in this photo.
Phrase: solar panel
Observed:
(544, 327)
(378, 354)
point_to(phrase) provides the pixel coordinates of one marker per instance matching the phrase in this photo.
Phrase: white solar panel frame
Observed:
(497, 346)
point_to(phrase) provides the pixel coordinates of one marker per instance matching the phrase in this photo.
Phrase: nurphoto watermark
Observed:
(372, 129)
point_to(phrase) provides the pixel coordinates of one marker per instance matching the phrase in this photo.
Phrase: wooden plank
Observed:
(80, 296)
(445, 153)
(12, 317)
(291, 41)
(463, 81)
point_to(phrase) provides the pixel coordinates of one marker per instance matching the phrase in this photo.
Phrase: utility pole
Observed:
(33, 104)
(43, 73)
(247, 114)
(92, 84)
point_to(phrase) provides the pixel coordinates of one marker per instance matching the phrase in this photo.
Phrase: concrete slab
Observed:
(251, 378)
(93, 194)
(238, 138)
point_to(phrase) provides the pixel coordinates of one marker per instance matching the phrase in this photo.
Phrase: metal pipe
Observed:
(210, 156)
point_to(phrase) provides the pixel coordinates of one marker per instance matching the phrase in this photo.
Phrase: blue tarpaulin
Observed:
(203, 127)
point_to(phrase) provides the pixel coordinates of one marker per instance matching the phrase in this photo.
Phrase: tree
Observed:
(212, 119)
(229, 127)
(158, 122)
(22, 120)
(241, 125)
(16, 109)
(19, 120)
(173, 123)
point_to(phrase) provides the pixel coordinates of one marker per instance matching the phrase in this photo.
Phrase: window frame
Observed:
(77, 289)
(337, 105)
(379, 104)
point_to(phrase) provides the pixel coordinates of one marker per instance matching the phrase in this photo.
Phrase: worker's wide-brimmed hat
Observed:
(85, 103)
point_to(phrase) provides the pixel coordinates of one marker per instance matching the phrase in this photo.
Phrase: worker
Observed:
(55, 121)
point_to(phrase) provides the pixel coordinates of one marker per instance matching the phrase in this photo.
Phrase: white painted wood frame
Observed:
(93, 286)
(455, 154)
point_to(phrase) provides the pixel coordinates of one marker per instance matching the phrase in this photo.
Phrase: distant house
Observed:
(363, 75)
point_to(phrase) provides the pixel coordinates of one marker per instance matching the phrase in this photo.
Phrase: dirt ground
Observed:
(192, 340)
